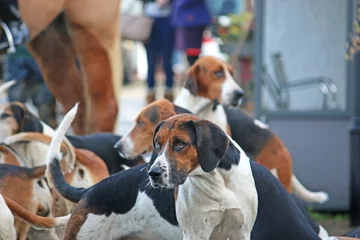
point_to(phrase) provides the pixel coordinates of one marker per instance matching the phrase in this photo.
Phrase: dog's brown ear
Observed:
(192, 78)
(211, 144)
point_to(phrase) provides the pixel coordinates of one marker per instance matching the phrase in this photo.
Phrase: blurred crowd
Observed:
(177, 31)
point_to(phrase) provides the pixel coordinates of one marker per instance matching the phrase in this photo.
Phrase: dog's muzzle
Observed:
(119, 148)
(155, 174)
(236, 97)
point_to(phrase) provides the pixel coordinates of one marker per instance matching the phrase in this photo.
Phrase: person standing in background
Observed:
(21, 67)
(161, 42)
(190, 18)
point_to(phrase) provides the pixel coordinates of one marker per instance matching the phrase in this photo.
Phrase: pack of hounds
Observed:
(214, 173)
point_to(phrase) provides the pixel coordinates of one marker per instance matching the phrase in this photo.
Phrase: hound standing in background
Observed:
(210, 82)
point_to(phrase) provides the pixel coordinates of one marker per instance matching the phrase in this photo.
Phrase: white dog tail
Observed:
(305, 194)
(5, 87)
(53, 157)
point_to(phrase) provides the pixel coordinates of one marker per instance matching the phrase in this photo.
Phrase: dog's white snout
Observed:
(125, 147)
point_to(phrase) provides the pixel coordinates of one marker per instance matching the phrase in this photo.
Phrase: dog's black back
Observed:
(118, 193)
(279, 217)
(249, 136)
(102, 144)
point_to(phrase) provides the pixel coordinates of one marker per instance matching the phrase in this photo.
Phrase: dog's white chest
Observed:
(217, 116)
(143, 221)
(207, 208)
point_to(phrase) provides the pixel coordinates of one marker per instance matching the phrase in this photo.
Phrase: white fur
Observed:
(127, 146)
(260, 124)
(7, 229)
(229, 86)
(143, 219)
(162, 162)
(222, 200)
(202, 107)
(54, 149)
(305, 194)
(323, 233)
(5, 87)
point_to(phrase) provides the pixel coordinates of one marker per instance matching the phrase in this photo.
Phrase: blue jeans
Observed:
(29, 82)
(160, 43)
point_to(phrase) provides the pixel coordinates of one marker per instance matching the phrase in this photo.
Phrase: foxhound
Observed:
(143, 202)
(210, 82)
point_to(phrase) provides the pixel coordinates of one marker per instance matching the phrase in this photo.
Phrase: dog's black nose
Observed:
(118, 148)
(155, 172)
(238, 94)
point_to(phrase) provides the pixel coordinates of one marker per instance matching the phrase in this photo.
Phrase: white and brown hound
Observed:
(127, 206)
(210, 82)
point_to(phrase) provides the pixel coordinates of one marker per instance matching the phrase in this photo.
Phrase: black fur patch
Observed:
(250, 137)
(278, 216)
(231, 157)
(153, 114)
(27, 122)
(180, 110)
(118, 194)
(102, 144)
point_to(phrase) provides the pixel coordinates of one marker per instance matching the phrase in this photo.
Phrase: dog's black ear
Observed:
(211, 144)
(154, 153)
(27, 122)
(192, 80)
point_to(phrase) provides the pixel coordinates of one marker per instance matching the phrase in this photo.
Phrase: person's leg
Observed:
(193, 39)
(151, 54)
(41, 95)
(167, 43)
(14, 69)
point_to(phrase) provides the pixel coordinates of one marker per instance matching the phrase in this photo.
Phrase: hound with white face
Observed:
(210, 78)
(215, 189)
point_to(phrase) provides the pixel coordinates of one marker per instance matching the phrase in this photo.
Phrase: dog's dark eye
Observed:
(157, 145)
(140, 123)
(179, 144)
(219, 74)
(4, 115)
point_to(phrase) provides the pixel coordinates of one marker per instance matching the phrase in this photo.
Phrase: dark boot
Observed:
(169, 96)
(150, 97)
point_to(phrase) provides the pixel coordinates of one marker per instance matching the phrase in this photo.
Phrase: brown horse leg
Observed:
(38, 14)
(95, 29)
(97, 73)
(54, 53)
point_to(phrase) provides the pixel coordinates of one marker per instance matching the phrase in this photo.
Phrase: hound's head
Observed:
(139, 139)
(182, 144)
(211, 78)
(16, 118)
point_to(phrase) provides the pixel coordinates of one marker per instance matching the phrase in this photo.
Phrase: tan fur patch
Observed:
(275, 155)
(206, 77)
(142, 133)
(185, 160)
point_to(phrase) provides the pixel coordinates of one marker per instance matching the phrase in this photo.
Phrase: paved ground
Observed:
(132, 101)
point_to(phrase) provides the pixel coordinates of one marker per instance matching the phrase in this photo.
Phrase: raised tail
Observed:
(305, 194)
(54, 173)
(33, 219)
(5, 87)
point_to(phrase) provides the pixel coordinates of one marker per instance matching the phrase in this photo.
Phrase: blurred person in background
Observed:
(160, 43)
(21, 67)
(11, 23)
(190, 18)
